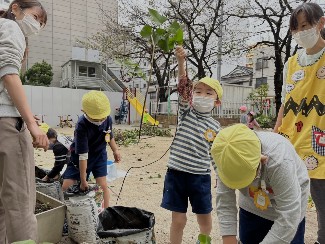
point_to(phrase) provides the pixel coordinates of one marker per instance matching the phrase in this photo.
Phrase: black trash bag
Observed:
(123, 221)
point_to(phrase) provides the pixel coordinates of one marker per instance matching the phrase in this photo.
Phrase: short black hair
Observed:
(312, 11)
(51, 133)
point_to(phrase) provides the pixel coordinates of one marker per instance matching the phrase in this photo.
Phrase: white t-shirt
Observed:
(304, 60)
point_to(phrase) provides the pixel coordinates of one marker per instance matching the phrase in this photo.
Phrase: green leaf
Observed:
(171, 43)
(146, 31)
(164, 44)
(138, 71)
(179, 37)
(174, 27)
(156, 17)
(158, 35)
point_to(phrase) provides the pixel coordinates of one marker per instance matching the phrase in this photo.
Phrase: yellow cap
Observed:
(236, 151)
(96, 105)
(213, 83)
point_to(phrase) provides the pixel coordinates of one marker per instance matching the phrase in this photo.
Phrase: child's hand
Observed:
(84, 185)
(117, 156)
(180, 55)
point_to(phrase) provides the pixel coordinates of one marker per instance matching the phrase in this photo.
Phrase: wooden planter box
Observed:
(50, 223)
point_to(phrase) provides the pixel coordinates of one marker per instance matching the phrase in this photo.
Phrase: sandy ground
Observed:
(143, 187)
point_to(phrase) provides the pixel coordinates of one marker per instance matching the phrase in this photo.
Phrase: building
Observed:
(241, 75)
(70, 22)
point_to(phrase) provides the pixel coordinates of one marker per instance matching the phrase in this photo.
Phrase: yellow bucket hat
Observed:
(236, 151)
(96, 105)
(213, 83)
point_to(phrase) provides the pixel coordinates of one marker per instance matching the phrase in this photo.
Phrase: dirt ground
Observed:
(143, 187)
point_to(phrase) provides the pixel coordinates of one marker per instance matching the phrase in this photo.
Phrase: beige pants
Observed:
(17, 183)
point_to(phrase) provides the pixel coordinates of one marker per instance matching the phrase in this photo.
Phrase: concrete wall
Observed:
(53, 102)
(68, 21)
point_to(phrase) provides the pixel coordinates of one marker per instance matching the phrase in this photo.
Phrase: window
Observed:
(136, 85)
(82, 71)
(144, 85)
(259, 63)
(250, 82)
(87, 71)
(153, 96)
(260, 81)
(91, 72)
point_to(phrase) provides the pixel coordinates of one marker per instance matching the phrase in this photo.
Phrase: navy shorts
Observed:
(253, 228)
(98, 169)
(179, 187)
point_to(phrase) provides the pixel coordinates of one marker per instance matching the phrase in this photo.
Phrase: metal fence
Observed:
(227, 109)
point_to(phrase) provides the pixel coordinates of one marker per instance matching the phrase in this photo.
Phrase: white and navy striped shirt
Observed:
(190, 150)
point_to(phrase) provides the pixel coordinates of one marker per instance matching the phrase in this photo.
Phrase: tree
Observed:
(200, 21)
(40, 74)
(274, 17)
(257, 97)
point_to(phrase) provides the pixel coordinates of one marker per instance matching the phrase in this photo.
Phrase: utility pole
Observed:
(220, 42)
(262, 64)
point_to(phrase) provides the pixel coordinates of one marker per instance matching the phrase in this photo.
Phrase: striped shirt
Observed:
(190, 150)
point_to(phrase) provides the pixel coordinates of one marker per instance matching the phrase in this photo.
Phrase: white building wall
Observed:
(68, 22)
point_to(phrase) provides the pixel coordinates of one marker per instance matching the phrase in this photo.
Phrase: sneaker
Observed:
(203, 239)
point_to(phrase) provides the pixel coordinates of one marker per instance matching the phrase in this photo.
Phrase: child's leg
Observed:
(205, 223)
(175, 199)
(177, 227)
(67, 183)
(70, 176)
(201, 201)
(101, 181)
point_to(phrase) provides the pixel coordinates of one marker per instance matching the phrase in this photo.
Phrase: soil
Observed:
(143, 187)
(41, 207)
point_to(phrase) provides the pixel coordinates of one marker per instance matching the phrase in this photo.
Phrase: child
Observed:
(301, 117)
(243, 116)
(60, 154)
(117, 115)
(88, 150)
(251, 121)
(273, 187)
(188, 175)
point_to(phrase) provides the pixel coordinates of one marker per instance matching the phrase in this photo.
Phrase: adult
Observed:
(17, 172)
(301, 117)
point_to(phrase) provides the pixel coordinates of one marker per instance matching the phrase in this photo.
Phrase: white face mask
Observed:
(203, 104)
(99, 123)
(29, 25)
(307, 38)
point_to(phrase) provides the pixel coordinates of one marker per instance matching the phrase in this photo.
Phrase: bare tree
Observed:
(200, 21)
(274, 16)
